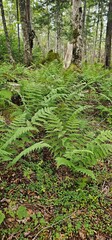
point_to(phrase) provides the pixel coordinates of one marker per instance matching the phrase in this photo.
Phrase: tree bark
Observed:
(48, 28)
(25, 22)
(108, 37)
(77, 32)
(18, 29)
(96, 32)
(58, 25)
(76, 45)
(84, 31)
(101, 32)
(6, 33)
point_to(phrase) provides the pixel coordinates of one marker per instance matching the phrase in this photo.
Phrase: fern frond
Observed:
(17, 134)
(68, 163)
(18, 122)
(28, 150)
(86, 171)
(53, 96)
(42, 115)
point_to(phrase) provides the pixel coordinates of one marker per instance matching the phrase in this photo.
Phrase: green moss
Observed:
(74, 67)
(51, 56)
(75, 33)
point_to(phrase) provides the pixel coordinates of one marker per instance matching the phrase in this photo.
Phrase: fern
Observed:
(68, 163)
(56, 103)
(28, 150)
(17, 134)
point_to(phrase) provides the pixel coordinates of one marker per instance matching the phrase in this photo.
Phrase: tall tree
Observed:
(84, 31)
(58, 25)
(74, 51)
(18, 29)
(101, 32)
(28, 34)
(6, 32)
(108, 36)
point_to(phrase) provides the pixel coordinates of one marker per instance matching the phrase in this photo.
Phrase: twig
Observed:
(3, 237)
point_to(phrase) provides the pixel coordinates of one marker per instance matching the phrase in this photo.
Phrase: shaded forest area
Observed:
(55, 120)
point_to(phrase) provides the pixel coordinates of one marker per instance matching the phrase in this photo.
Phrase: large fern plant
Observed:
(56, 110)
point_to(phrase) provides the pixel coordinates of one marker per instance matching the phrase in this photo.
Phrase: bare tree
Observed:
(6, 33)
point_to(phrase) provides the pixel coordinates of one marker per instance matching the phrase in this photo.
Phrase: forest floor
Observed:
(40, 202)
(53, 204)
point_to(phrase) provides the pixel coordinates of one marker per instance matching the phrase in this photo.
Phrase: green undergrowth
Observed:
(55, 152)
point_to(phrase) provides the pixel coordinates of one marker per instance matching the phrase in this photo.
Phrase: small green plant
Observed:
(2, 216)
(22, 212)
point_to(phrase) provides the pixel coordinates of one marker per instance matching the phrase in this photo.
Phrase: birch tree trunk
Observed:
(6, 33)
(76, 45)
(108, 37)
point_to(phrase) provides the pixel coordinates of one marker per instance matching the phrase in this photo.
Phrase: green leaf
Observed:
(2, 216)
(22, 212)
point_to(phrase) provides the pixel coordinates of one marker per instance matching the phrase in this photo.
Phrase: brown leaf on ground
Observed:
(82, 234)
(100, 237)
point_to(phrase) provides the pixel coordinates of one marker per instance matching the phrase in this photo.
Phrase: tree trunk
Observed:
(58, 25)
(48, 28)
(76, 45)
(84, 31)
(96, 32)
(108, 37)
(25, 21)
(18, 29)
(6, 33)
(101, 32)
(77, 32)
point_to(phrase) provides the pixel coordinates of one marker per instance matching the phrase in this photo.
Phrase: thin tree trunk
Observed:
(96, 33)
(101, 32)
(58, 25)
(84, 29)
(77, 32)
(108, 37)
(48, 28)
(6, 33)
(18, 29)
